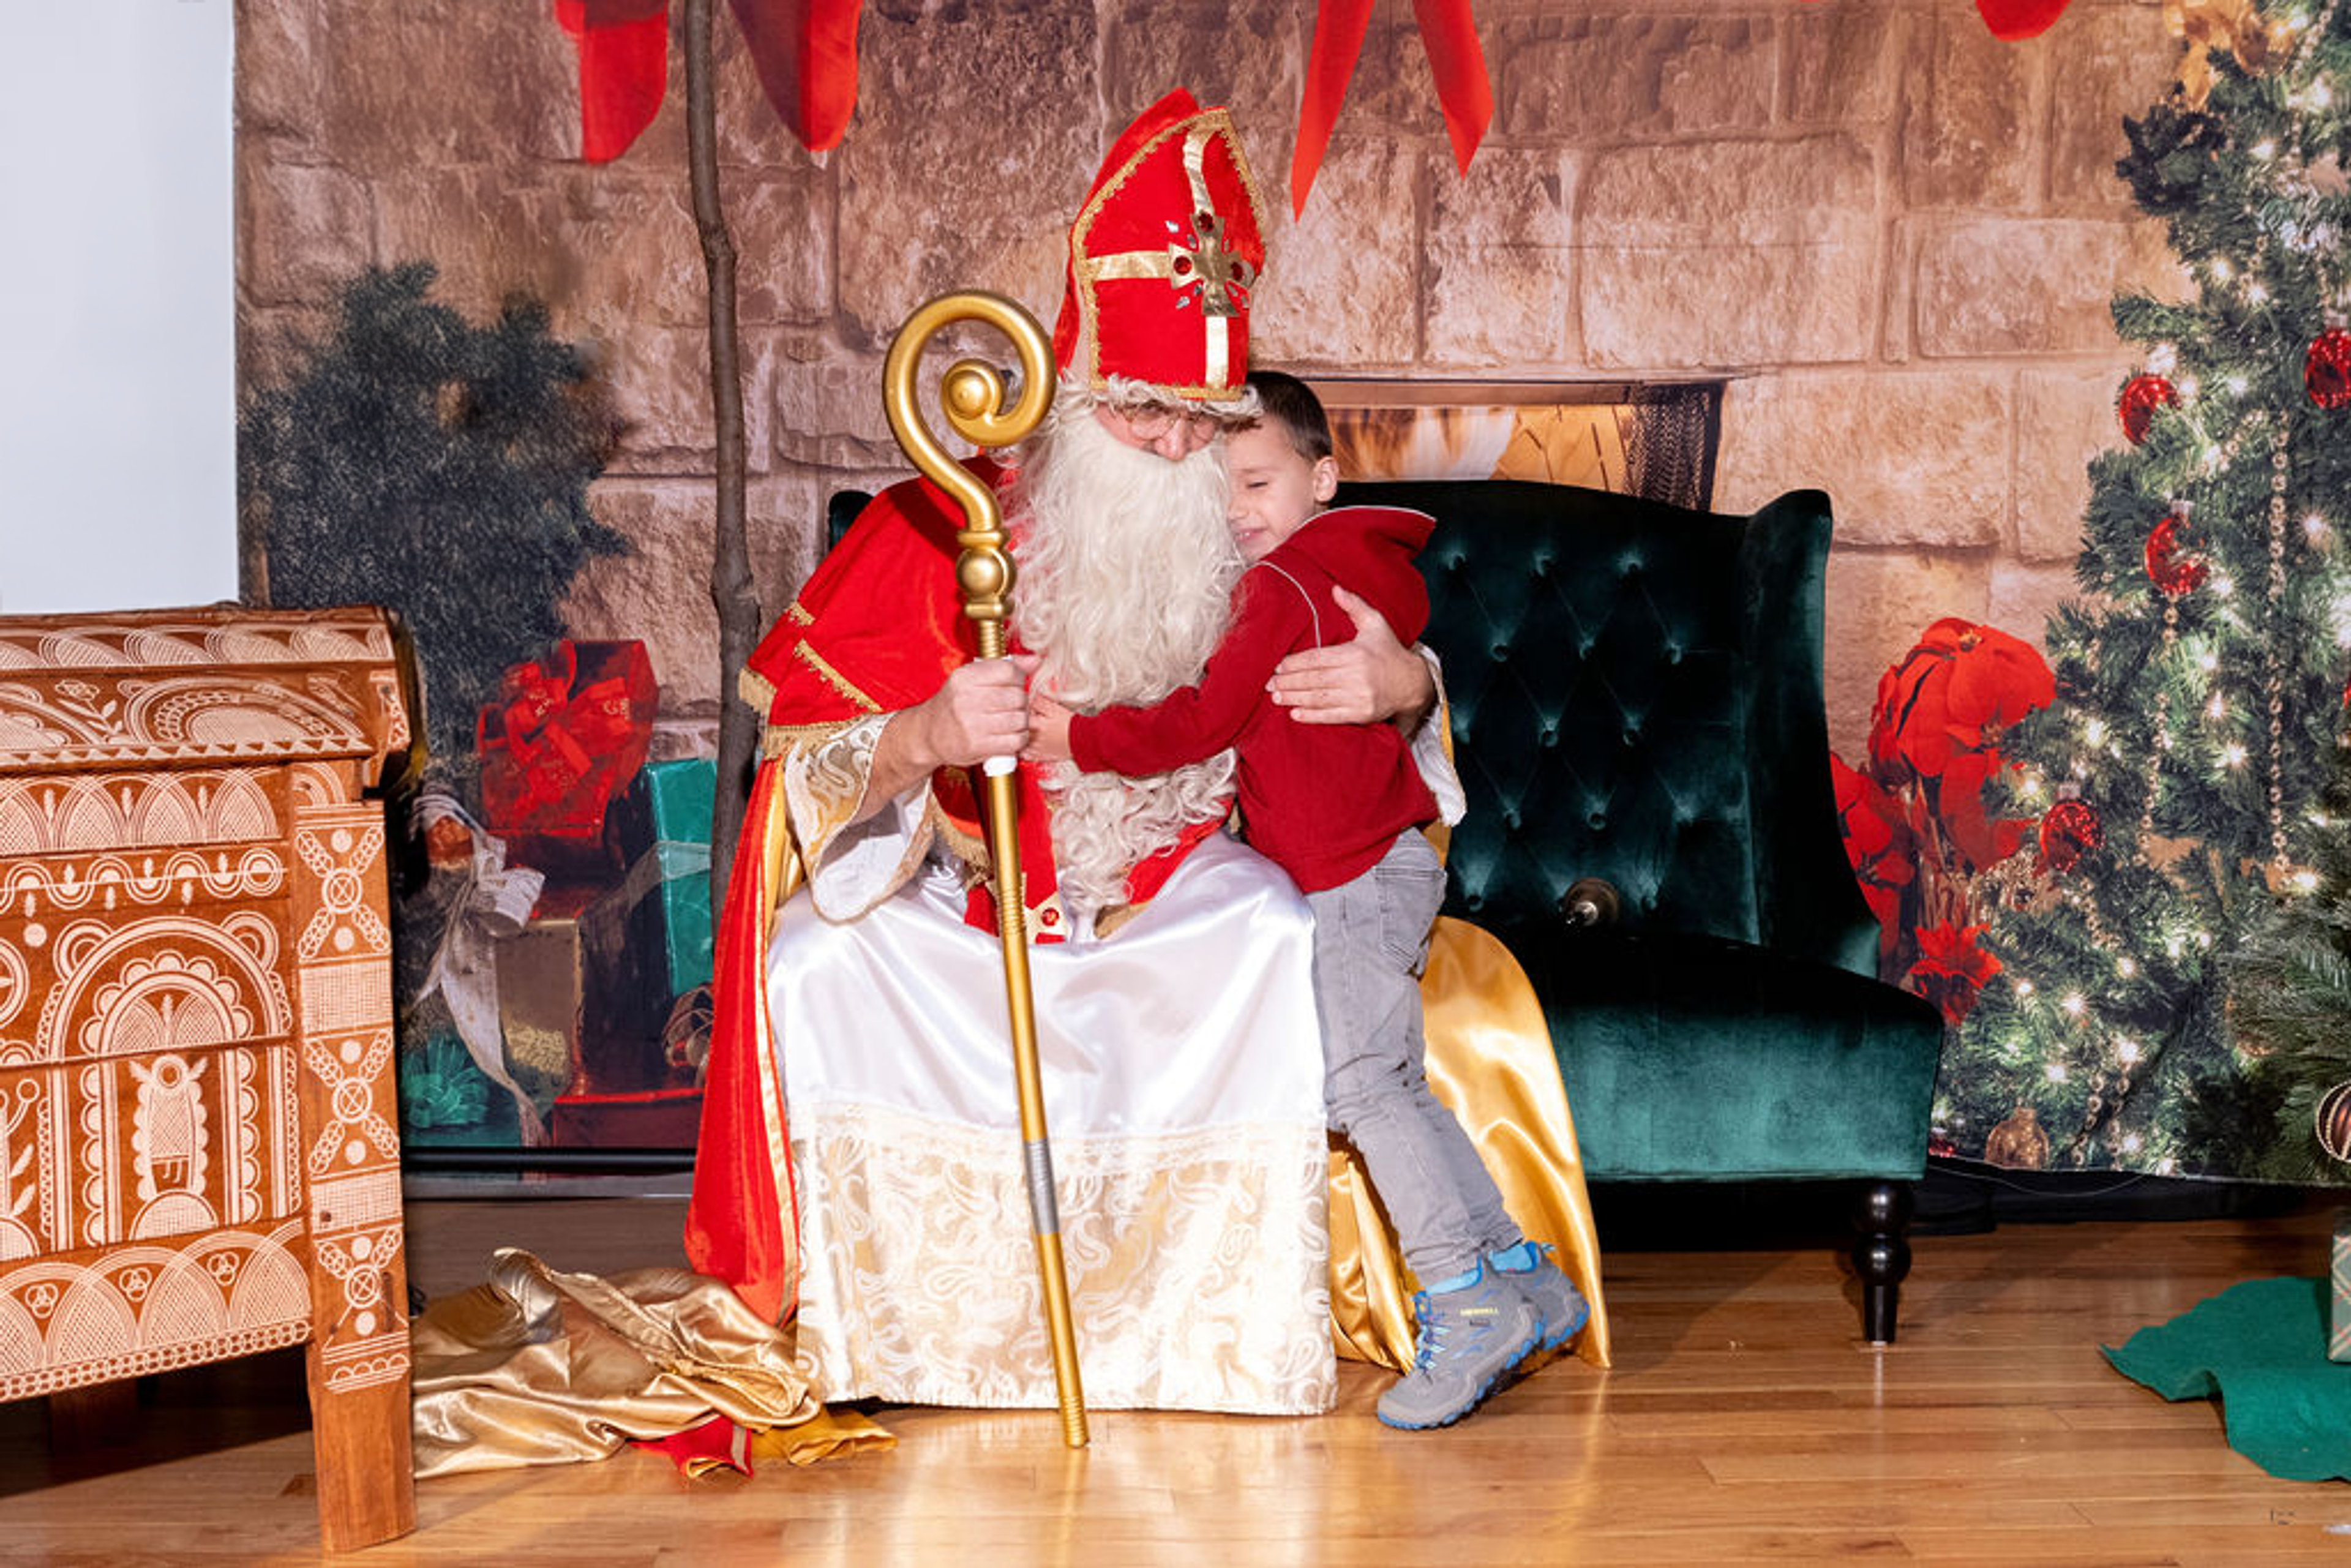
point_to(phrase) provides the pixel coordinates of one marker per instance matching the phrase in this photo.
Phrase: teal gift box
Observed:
(648, 940)
(2338, 1321)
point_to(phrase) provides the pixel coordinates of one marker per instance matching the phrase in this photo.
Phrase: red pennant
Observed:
(623, 69)
(1330, 64)
(806, 54)
(2014, 19)
(2011, 20)
(1449, 36)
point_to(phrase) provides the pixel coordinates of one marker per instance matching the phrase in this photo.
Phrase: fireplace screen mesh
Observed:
(1657, 441)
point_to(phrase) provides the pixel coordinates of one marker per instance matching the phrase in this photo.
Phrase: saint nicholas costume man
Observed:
(860, 1160)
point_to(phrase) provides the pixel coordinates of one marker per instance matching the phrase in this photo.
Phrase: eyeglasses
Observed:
(1150, 420)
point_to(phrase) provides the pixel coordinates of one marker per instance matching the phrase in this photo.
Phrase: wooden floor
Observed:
(1743, 1421)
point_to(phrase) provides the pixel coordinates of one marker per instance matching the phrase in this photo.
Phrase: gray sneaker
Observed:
(1468, 1338)
(1562, 1305)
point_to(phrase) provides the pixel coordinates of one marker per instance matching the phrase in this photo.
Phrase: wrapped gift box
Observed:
(563, 741)
(542, 977)
(648, 941)
(2338, 1322)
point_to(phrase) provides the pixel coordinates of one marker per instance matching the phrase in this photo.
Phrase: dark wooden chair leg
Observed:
(1882, 1255)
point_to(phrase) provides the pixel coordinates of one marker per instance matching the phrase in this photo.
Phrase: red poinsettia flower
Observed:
(1865, 812)
(1957, 688)
(1878, 842)
(1980, 839)
(1951, 968)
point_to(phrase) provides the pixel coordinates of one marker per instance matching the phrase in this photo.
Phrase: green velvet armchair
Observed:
(1637, 720)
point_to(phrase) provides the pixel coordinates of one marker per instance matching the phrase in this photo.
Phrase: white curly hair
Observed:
(1126, 571)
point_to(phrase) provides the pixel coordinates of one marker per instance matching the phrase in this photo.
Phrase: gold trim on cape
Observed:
(839, 682)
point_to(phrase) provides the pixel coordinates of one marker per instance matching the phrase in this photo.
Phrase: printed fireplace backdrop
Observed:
(2054, 318)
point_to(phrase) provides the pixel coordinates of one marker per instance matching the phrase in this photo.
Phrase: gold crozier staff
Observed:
(972, 396)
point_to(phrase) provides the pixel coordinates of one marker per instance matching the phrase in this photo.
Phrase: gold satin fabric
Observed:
(1490, 1061)
(542, 1367)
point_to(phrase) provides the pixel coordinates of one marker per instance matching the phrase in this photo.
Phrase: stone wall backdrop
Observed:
(1896, 236)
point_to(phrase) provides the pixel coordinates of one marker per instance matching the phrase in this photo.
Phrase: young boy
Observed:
(1340, 808)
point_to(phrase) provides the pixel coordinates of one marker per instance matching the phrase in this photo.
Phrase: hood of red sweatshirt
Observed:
(1369, 549)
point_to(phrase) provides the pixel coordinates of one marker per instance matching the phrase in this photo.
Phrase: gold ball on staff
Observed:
(971, 391)
(983, 576)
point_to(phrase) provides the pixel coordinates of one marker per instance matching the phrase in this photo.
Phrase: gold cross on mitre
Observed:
(1223, 277)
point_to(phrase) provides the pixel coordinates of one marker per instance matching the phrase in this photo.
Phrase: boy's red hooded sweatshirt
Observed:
(1323, 801)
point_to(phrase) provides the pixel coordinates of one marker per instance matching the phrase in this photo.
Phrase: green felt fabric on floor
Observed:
(2262, 1347)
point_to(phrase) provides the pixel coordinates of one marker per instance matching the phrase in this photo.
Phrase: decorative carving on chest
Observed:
(168, 982)
(197, 1152)
(62, 720)
(32, 888)
(50, 816)
(251, 640)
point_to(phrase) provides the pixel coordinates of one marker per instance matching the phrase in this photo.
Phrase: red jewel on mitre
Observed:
(1164, 256)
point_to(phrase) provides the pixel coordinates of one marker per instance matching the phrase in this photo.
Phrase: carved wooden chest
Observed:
(198, 1158)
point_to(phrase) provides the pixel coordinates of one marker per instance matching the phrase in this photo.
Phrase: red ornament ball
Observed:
(2326, 370)
(2172, 566)
(2333, 1119)
(2142, 395)
(2069, 831)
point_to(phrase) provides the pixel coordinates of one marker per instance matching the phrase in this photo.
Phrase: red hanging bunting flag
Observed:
(806, 54)
(1450, 38)
(623, 69)
(2011, 20)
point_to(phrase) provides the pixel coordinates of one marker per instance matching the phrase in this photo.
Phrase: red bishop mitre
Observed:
(1164, 256)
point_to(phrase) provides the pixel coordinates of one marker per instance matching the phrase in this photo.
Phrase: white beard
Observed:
(1126, 568)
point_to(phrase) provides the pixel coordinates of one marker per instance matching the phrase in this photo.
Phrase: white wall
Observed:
(118, 423)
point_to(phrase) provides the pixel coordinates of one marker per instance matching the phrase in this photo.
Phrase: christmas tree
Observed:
(439, 469)
(2174, 795)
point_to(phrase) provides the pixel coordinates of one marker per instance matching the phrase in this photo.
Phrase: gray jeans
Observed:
(1371, 943)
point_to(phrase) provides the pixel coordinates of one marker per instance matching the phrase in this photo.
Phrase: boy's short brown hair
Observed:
(1289, 405)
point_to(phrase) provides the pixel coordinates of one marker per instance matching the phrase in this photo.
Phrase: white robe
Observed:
(1183, 1080)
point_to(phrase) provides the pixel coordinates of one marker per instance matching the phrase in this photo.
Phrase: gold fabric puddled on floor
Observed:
(542, 1367)
(1490, 1061)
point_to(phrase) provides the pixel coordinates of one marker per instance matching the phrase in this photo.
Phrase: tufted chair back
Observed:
(1636, 697)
